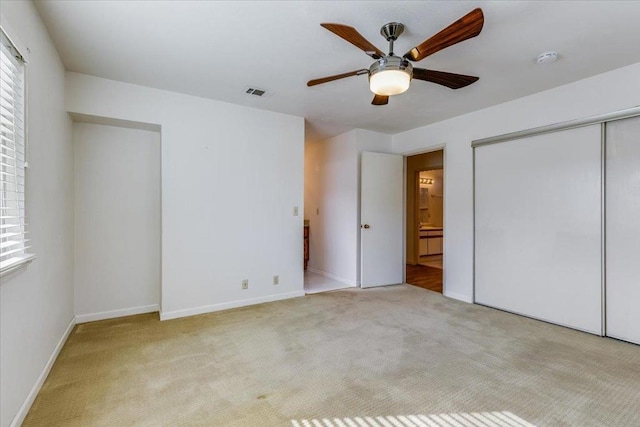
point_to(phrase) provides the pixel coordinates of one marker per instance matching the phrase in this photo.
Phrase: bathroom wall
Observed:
(434, 214)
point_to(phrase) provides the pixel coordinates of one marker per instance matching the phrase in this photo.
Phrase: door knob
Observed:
(366, 226)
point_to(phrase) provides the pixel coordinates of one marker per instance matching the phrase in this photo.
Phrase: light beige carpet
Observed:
(339, 355)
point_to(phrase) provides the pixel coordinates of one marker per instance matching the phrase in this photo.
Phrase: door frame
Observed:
(439, 147)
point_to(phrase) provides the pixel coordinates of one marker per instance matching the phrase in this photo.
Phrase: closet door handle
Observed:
(365, 226)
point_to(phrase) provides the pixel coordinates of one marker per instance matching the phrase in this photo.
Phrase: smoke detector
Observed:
(547, 57)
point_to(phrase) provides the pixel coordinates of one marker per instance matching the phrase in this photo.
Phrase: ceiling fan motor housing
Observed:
(391, 62)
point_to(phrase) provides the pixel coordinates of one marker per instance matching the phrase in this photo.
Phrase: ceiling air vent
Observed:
(257, 92)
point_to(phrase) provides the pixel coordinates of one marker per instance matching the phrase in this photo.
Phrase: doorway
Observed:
(117, 192)
(425, 220)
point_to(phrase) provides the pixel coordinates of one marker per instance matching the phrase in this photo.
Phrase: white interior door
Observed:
(538, 227)
(381, 213)
(623, 229)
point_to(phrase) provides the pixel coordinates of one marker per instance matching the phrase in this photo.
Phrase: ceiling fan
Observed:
(391, 74)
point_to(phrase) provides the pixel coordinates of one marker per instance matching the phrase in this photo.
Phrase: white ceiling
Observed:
(216, 49)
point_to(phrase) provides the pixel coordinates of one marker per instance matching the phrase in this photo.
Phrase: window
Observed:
(13, 244)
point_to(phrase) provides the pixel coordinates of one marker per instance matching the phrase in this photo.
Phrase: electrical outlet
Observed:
(276, 280)
(295, 211)
(245, 284)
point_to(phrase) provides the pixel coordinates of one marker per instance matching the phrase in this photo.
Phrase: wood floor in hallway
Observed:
(425, 277)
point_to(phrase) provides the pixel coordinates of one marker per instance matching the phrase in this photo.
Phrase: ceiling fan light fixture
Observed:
(390, 75)
(389, 82)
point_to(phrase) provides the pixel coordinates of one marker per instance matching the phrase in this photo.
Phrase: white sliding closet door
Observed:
(623, 229)
(538, 227)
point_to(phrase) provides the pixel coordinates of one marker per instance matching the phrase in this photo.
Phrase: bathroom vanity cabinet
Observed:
(431, 241)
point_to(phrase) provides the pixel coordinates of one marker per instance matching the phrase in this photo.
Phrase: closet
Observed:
(622, 249)
(557, 224)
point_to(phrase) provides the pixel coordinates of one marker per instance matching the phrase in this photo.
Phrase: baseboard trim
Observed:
(459, 297)
(227, 305)
(330, 289)
(333, 276)
(92, 317)
(31, 397)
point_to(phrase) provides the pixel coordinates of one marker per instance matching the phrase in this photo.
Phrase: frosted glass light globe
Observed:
(389, 82)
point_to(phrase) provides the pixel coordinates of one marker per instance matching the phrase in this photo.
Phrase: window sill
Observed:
(14, 268)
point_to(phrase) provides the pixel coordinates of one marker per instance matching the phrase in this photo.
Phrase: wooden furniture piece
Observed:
(306, 246)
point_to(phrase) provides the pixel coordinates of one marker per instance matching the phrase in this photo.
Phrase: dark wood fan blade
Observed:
(464, 28)
(380, 100)
(351, 35)
(454, 81)
(336, 77)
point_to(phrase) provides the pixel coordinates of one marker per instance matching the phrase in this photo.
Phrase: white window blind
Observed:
(13, 242)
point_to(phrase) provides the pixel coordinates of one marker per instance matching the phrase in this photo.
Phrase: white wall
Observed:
(36, 303)
(231, 176)
(332, 201)
(117, 221)
(608, 92)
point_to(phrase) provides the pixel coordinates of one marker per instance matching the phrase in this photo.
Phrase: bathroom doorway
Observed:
(425, 220)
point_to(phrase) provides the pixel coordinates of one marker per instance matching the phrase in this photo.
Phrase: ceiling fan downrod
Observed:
(391, 32)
